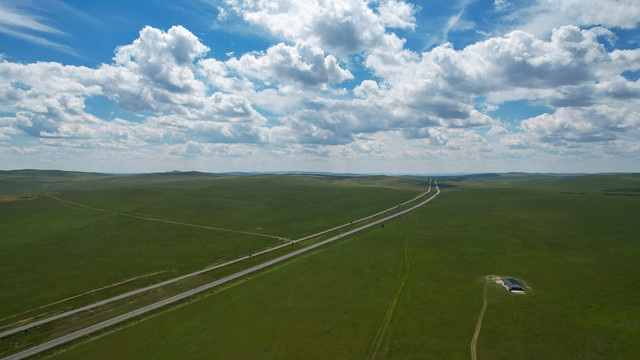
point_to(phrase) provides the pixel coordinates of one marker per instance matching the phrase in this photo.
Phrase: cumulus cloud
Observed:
(397, 14)
(157, 73)
(160, 70)
(304, 65)
(515, 141)
(444, 82)
(340, 26)
(615, 90)
(220, 77)
(497, 130)
(599, 123)
(428, 103)
(437, 90)
(368, 89)
(419, 91)
(544, 15)
(154, 73)
(519, 59)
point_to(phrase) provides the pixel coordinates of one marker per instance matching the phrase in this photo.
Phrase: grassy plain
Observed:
(290, 206)
(51, 250)
(38, 181)
(573, 244)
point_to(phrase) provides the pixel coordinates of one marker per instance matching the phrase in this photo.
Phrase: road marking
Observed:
(80, 333)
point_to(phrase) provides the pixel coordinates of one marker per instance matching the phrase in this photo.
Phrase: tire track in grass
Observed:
(274, 349)
(474, 340)
(167, 221)
(383, 330)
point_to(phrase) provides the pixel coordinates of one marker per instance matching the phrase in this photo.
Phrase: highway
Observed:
(80, 333)
(170, 281)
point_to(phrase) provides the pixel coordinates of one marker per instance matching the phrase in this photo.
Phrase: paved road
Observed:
(80, 333)
(170, 281)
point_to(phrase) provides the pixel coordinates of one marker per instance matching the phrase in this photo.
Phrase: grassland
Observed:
(29, 181)
(569, 241)
(290, 206)
(51, 250)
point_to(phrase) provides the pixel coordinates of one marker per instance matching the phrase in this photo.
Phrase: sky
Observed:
(359, 86)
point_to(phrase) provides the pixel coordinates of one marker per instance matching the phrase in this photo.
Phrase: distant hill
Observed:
(33, 181)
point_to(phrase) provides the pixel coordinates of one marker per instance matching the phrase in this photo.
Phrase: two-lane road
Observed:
(179, 278)
(53, 343)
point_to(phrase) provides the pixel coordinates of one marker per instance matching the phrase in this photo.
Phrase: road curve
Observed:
(80, 333)
(170, 281)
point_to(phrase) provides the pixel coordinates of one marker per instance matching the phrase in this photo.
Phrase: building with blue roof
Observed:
(512, 284)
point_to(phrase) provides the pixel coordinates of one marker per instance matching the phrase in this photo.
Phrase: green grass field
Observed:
(290, 206)
(573, 244)
(51, 250)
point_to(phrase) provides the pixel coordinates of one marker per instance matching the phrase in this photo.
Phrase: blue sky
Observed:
(383, 86)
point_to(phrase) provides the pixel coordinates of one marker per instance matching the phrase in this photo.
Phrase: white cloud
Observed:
(219, 77)
(438, 89)
(518, 59)
(368, 89)
(500, 5)
(303, 65)
(191, 148)
(162, 64)
(437, 137)
(23, 26)
(432, 135)
(618, 90)
(397, 14)
(14, 18)
(545, 15)
(599, 123)
(456, 22)
(515, 141)
(497, 130)
(444, 81)
(155, 73)
(340, 26)
(287, 101)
